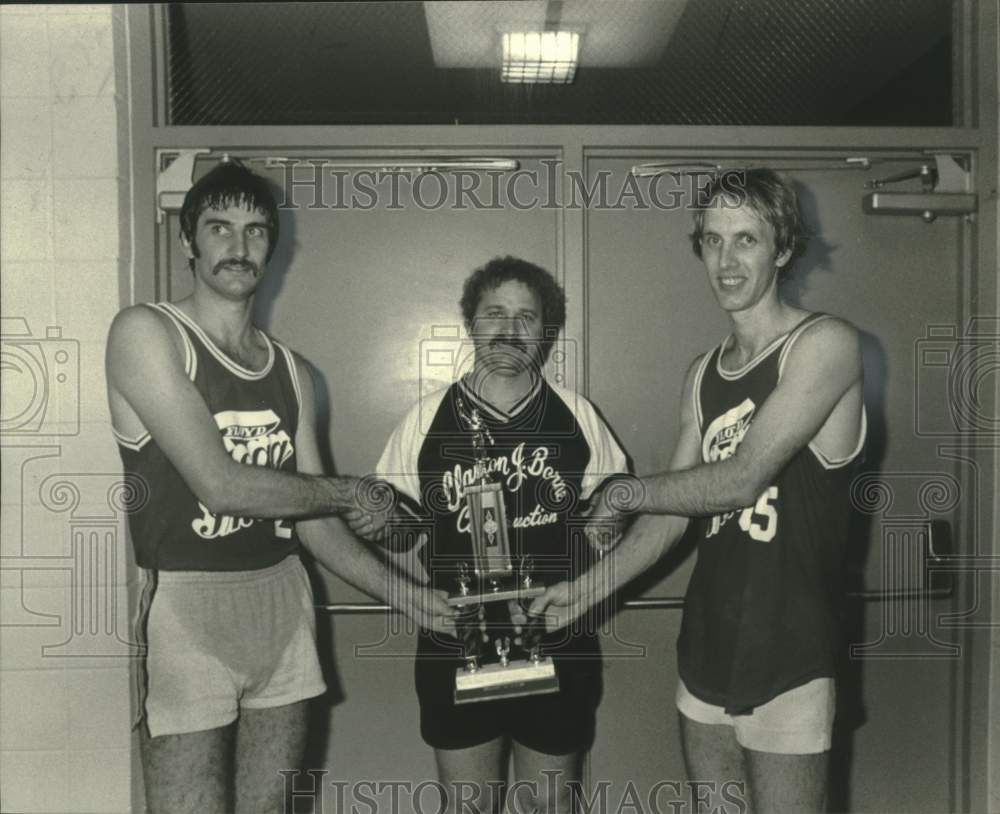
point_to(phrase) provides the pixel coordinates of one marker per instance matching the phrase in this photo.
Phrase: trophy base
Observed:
(494, 681)
(480, 597)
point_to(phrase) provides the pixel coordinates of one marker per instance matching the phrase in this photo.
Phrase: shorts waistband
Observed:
(258, 575)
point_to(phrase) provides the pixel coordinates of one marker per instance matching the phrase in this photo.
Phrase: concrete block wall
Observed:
(64, 623)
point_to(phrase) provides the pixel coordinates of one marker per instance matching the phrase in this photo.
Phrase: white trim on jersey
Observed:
(190, 356)
(135, 444)
(696, 395)
(825, 461)
(190, 370)
(837, 463)
(496, 412)
(293, 372)
(225, 361)
(803, 326)
(399, 462)
(732, 375)
(606, 456)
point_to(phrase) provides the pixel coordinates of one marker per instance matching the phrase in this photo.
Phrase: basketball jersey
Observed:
(761, 611)
(550, 452)
(257, 413)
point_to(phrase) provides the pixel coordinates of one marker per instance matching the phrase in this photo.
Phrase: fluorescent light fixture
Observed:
(539, 56)
(632, 34)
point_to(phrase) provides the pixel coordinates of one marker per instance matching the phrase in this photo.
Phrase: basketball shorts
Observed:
(797, 722)
(222, 641)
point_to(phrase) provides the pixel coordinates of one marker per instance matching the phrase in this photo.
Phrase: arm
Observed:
(821, 367)
(340, 552)
(398, 467)
(327, 538)
(649, 539)
(147, 380)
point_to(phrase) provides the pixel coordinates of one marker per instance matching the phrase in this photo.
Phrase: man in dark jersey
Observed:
(550, 452)
(771, 421)
(214, 421)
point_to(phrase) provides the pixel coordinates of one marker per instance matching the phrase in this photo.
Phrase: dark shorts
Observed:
(558, 723)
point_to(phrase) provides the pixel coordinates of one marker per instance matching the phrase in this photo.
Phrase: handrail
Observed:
(658, 602)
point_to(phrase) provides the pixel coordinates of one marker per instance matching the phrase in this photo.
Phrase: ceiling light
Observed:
(633, 34)
(539, 56)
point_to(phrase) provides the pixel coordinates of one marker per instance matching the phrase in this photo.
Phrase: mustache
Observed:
(510, 341)
(235, 263)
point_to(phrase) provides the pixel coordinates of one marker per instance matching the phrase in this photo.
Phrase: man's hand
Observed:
(609, 507)
(373, 503)
(368, 526)
(603, 527)
(426, 606)
(561, 605)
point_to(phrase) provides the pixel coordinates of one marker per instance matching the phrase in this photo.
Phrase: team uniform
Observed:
(760, 629)
(227, 610)
(550, 452)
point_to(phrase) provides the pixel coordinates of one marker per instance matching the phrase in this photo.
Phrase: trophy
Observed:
(498, 664)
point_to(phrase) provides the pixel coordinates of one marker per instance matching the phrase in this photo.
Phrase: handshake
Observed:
(366, 505)
(618, 498)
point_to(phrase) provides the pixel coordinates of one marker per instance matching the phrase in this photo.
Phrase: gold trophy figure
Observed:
(519, 667)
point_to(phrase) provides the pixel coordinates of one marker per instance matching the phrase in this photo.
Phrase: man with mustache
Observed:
(550, 451)
(215, 424)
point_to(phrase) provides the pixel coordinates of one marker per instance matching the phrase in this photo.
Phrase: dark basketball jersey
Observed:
(550, 453)
(761, 611)
(257, 413)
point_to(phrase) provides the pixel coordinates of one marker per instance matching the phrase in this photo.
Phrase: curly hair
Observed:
(228, 183)
(503, 269)
(771, 197)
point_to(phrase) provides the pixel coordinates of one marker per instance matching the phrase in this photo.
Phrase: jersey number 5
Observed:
(760, 521)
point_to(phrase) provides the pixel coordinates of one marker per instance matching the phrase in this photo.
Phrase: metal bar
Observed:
(926, 204)
(906, 175)
(615, 137)
(390, 164)
(654, 602)
(678, 167)
(907, 593)
(659, 602)
(354, 608)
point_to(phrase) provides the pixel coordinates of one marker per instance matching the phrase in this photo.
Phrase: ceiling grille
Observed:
(708, 62)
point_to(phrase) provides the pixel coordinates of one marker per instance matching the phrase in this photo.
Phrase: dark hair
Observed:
(228, 183)
(503, 269)
(771, 197)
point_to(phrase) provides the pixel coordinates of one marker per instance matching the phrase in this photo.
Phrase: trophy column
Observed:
(497, 665)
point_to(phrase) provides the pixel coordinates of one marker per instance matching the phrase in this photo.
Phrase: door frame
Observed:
(140, 65)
